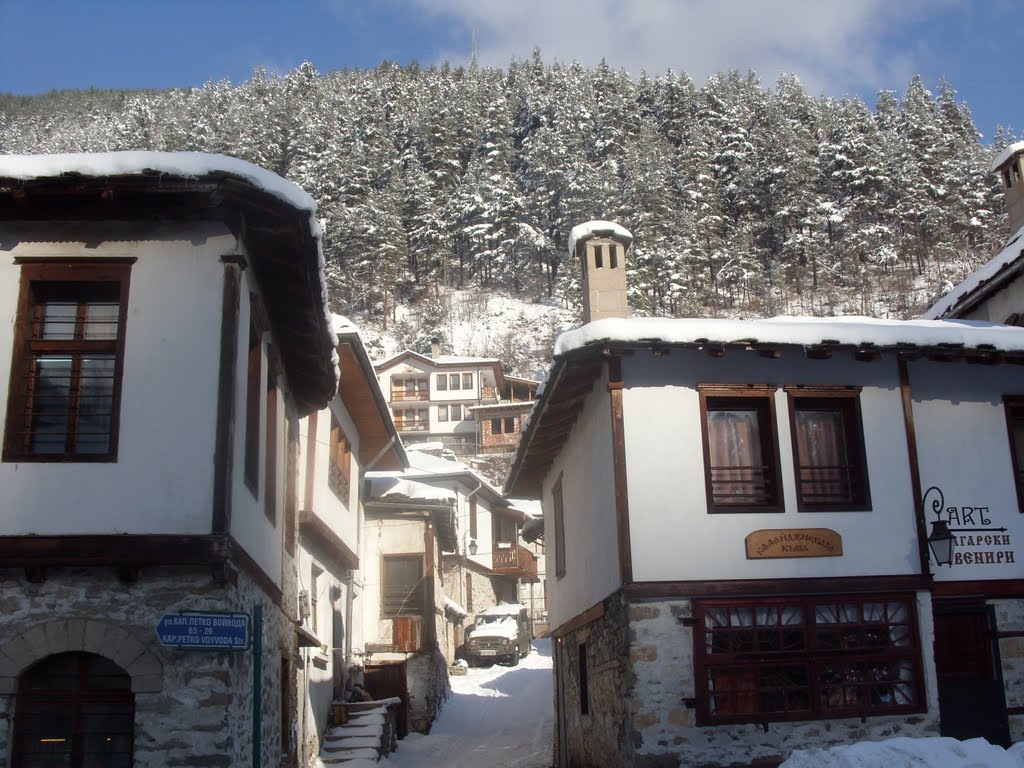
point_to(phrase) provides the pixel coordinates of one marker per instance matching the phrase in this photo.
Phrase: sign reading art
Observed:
(793, 542)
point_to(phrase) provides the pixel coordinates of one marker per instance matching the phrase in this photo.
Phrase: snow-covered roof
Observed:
(801, 331)
(594, 228)
(982, 277)
(504, 405)
(383, 485)
(440, 360)
(454, 608)
(181, 164)
(999, 160)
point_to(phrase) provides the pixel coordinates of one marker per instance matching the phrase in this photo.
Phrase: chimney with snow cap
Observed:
(601, 247)
(1009, 164)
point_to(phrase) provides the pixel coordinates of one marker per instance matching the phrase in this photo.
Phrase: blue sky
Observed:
(836, 47)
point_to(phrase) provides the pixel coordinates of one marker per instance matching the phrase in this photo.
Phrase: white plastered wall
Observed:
(162, 481)
(586, 469)
(673, 536)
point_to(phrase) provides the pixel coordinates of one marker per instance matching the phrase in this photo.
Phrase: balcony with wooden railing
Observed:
(515, 560)
(412, 425)
(402, 395)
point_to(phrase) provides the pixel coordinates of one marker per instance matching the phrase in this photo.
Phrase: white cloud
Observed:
(834, 46)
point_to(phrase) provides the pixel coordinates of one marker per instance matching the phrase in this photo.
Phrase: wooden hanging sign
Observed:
(793, 542)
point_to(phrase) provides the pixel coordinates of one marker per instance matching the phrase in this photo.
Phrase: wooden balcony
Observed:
(407, 395)
(515, 560)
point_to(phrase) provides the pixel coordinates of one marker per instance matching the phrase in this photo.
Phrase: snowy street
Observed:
(501, 717)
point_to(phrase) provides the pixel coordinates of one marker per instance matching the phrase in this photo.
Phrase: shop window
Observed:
(74, 710)
(741, 456)
(828, 450)
(1015, 423)
(68, 358)
(808, 658)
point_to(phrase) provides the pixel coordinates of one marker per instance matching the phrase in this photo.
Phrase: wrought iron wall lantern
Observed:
(941, 539)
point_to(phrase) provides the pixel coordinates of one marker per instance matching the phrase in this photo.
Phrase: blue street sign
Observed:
(204, 631)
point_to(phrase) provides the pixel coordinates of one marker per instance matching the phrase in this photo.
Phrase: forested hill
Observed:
(744, 198)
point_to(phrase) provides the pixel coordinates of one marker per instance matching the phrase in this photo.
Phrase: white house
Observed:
(336, 445)
(467, 403)
(739, 516)
(165, 328)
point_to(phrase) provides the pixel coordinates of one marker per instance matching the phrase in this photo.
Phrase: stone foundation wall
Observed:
(1010, 619)
(665, 733)
(427, 678)
(192, 708)
(601, 737)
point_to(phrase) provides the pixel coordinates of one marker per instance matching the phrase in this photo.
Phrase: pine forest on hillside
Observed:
(744, 199)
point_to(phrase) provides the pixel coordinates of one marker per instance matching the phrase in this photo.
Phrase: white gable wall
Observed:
(588, 501)
(162, 481)
(673, 536)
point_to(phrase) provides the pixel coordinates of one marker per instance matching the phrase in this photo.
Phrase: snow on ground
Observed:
(910, 753)
(500, 717)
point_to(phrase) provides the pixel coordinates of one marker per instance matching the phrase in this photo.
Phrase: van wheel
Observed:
(515, 659)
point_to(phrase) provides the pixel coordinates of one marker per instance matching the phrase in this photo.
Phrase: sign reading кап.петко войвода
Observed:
(794, 542)
(204, 631)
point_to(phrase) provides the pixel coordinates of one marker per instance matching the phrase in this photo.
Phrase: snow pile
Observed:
(505, 609)
(591, 228)
(939, 752)
(496, 626)
(454, 608)
(1006, 154)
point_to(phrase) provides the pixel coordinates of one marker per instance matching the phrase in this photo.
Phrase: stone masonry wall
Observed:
(427, 676)
(665, 733)
(602, 737)
(1010, 619)
(194, 707)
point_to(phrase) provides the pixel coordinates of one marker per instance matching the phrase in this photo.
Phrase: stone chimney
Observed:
(435, 348)
(601, 247)
(1009, 164)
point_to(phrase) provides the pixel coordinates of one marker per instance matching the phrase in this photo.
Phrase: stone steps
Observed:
(360, 738)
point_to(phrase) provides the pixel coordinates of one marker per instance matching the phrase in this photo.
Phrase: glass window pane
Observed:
(59, 320)
(51, 400)
(101, 320)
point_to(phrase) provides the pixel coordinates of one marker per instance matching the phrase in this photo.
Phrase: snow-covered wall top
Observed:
(803, 331)
(1006, 154)
(982, 275)
(385, 484)
(591, 228)
(183, 164)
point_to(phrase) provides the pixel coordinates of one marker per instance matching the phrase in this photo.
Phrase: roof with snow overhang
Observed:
(274, 218)
(579, 357)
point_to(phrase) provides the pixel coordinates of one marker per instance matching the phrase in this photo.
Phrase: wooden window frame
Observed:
(852, 646)
(558, 509)
(846, 401)
(339, 468)
(272, 448)
(1013, 407)
(441, 382)
(410, 605)
(762, 398)
(39, 273)
(469, 592)
(455, 411)
(454, 382)
(467, 381)
(442, 413)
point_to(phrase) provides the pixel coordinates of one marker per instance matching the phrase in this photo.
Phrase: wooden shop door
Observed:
(971, 698)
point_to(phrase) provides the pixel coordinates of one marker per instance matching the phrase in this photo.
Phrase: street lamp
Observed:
(472, 547)
(940, 541)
